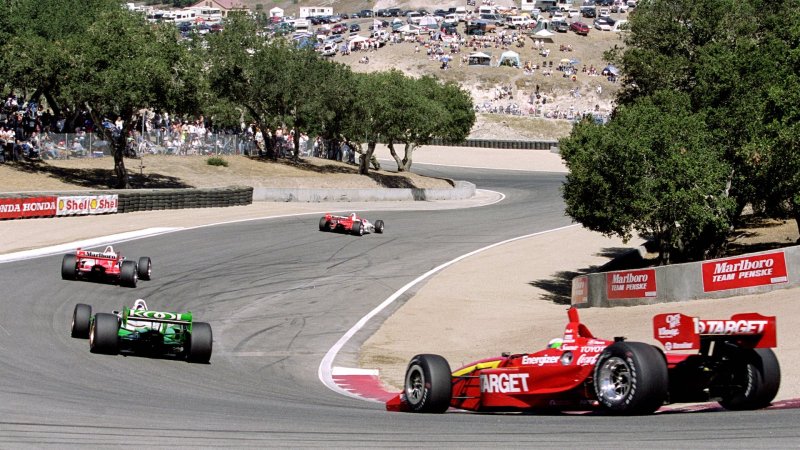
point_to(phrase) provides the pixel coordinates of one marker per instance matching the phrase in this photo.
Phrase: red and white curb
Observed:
(364, 383)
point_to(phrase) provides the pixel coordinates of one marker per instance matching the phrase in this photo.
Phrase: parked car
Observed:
(588, 13)
(579, 28)
(365, 13)
(355, 28)
(560, 26)
(573, 12)
(604, 23)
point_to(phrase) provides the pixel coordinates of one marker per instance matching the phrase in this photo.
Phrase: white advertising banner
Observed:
(75, 205)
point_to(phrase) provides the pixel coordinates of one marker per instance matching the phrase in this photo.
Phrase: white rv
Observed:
(315, 11)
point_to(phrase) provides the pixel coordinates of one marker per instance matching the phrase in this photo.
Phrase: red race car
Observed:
(107, 264)
(349, 224)
(729, 361)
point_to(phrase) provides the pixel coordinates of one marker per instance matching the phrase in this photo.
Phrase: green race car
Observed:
(140, 330)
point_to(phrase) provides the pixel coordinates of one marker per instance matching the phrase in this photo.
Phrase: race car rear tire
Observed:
(631, 378)
(379, 226)
(144, 268)
(428, 385)
(128, 274)
(324, 225)
(200, 343)
(755, 380)
(81, 321)
(104, 334)
(358, 228)
(69, 267)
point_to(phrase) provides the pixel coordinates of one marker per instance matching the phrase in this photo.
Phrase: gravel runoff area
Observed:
(478, 307)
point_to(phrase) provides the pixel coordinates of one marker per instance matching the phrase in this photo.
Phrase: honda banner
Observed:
(18, 208)
(631, 284)
(745, 271)
(87, 204)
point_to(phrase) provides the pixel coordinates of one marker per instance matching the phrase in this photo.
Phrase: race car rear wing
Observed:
(681, 332)
(156, 316)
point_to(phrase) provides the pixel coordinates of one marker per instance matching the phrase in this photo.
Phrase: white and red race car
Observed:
(107, 264)
(351, 223)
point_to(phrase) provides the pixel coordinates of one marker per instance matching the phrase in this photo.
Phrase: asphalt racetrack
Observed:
(278, 294)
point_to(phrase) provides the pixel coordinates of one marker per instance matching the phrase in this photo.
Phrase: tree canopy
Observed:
(717, 80)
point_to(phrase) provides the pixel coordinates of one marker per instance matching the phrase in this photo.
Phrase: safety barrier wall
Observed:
(50, 204)
(752, 273)
(500, 143)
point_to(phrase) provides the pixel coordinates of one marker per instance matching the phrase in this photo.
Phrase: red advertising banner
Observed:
(744, 271)
(87, 204)
(580, 290)
(631, 284)
(19, 208)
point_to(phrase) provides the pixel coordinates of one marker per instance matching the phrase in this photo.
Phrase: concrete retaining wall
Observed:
(680, 282)
(461, 190)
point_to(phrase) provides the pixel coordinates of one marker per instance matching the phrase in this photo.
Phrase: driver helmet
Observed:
(140, 304)
(555, 343)
(352, 216)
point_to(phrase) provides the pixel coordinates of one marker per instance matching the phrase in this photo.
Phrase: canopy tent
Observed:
(543, 24)
(543, 33)
(276, 12)
(355, 40)
(408, 29)
(428, 21)
(479, 59)
(509, 58)
(612, 69)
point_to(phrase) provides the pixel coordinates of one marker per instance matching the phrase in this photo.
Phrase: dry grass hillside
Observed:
(562, 94)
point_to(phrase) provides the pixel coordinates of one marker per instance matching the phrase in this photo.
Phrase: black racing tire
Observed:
(324, 224)
(428, 384)
(81, 321)
(128, 274)
(104, 334)
(754, 380)
(200, 343)
(631, 378)
(379, 226)
(358, 228)
(145, 268)
(69, 267)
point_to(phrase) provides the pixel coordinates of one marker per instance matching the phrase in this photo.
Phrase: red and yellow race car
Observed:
(107, 265)
(351, 223)
(729, 361)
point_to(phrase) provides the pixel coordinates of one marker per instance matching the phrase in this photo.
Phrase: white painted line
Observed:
(86, 243)
(458, 166)
(342, 371)
(325, 371)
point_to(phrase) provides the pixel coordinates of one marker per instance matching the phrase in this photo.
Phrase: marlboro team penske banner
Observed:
(747, 271)
(580, 290)
(87, 204)
(631, 284)
(18, 208)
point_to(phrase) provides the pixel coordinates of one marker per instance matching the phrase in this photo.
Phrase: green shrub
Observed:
(217, 161)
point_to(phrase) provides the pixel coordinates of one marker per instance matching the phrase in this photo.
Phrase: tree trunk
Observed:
(118, 150)
(409, 150)
(396, 158)
(796, 214)
(296, 145)
(364, 160)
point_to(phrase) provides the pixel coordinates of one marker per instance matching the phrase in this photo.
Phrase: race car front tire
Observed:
(428, 386)
(104, 334)
(379, 226)
(145, 268)
(200, 343)
(69, 267)
(754, 380)
(358, 228)
(128, 274)
(324, 224)
(81, 321)
(631, 378)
